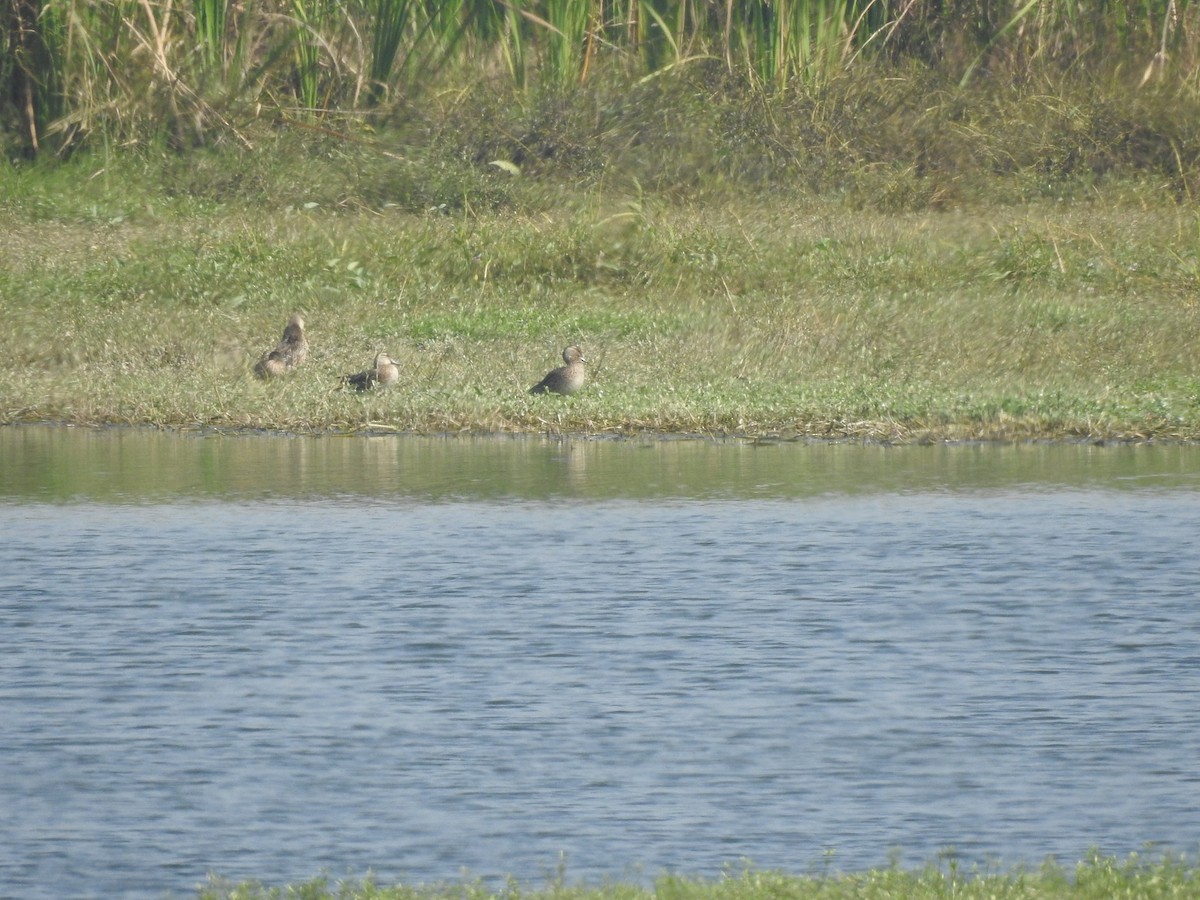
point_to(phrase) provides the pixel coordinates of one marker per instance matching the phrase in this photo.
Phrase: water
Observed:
(269, 657)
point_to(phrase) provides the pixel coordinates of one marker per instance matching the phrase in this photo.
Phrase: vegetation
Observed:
(1098, 878)
(830, 219)
(124, 70)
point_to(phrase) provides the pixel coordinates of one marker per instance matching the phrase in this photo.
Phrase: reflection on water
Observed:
(138, 465)
(266, 657)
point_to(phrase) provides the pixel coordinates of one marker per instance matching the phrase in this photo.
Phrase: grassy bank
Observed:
(883, 257)
(1099, 878)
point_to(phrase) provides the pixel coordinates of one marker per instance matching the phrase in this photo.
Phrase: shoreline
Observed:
(744, 439)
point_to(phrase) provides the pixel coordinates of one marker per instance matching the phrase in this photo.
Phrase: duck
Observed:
(566, 379)
(270, 366)
(383, 375)
(290, 352)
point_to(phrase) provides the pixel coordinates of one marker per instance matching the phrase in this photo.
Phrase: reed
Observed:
(210, 33)
(566, 24)
(311, 34)
(73, 69)
(31, 48)
(390, 21)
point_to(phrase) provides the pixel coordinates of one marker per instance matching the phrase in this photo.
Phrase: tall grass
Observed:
(567, 24)
(311, 26)
(31, 47)
(210, 32)
(807, 39)
(389, 20)
(118, 68)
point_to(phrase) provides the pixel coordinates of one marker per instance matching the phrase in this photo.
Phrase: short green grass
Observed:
(771, 295)
(1097, 878)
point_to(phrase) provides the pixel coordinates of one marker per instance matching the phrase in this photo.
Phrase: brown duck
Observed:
(290, 352)
(383, 375)
(270, 366)
(565, 379)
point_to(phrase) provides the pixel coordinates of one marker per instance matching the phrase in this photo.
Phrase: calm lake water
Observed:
(268, 657)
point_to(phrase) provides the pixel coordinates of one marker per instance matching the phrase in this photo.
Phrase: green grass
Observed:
(723, 273)
(1097, 878)
(93, 72)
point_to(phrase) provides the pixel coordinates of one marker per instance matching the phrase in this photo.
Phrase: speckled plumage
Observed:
(290, 352)
(270, 366)
(566, 379)
(385, 374)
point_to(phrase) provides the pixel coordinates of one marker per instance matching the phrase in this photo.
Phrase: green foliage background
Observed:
(195, 72)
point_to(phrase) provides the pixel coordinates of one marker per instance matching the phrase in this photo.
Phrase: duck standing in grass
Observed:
(565, 379)
(290, 352)
(385, 374)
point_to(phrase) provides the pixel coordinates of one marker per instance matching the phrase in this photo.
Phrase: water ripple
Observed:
(268, 689)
